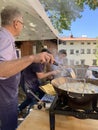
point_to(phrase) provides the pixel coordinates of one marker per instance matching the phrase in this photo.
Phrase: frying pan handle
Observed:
(55, 63)
(74, 95)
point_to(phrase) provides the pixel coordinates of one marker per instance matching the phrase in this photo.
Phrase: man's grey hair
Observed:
(9, 14)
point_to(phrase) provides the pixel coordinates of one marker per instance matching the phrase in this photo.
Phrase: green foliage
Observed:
(93, 4)
(63, 12)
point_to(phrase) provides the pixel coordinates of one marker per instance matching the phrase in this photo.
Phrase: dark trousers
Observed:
(8, 116)
(30, 99)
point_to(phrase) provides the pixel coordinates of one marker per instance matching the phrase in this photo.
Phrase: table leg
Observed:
(52, 120)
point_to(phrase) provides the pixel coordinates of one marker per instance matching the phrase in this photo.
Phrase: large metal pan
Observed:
(75, 97)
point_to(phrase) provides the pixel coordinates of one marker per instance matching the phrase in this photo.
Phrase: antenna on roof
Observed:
(71, 36)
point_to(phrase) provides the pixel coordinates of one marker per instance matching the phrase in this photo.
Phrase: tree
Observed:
(93, 4)
(63, 12)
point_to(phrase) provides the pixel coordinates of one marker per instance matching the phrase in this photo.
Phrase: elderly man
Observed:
(10, 66)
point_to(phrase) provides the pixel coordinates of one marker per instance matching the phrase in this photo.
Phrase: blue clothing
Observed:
(8, 86)
(29, 75)
(8, 116)
(30, 78)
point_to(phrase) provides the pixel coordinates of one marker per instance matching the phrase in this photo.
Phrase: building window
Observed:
(18, 52)
(82, 43)
(82, 51)
(94, 51)
(64, 42)
(72, 51)
(71, 43)
(77, 62)
(88, 51)
(77, 52)
(94, 62)
(94, 43)
(88, 43)
(72, 62)
(82, 62)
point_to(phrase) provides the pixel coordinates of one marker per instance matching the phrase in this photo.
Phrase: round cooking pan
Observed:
(80, 97)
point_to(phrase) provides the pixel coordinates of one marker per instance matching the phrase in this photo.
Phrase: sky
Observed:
(86, 25)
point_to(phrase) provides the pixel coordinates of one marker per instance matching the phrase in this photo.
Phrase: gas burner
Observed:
(64, 106)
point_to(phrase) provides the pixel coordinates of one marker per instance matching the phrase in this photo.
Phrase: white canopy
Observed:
(37, 24)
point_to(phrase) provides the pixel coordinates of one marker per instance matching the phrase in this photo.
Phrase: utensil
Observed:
(65, 69)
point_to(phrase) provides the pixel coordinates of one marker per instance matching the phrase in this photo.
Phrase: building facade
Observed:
(80, 51)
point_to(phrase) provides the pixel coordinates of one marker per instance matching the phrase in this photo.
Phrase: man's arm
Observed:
(10, 68)
(42, 75)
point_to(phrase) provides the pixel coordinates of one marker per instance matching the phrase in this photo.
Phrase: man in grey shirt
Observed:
(10, 66)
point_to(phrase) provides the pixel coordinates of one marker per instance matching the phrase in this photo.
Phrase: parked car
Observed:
(92, 72)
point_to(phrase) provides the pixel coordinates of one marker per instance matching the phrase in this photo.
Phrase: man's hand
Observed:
(43, 57)
(55, 72)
